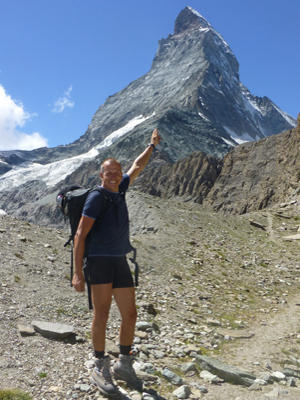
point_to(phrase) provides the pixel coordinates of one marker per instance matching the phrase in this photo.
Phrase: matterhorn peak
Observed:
(189, 19)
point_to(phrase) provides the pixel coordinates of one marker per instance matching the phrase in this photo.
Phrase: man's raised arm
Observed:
(142, 160)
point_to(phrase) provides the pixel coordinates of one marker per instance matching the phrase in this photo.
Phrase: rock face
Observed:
(258, 174)
(190, 178)
(192, 93)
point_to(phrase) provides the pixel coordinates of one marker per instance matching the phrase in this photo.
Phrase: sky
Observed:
(61, 59)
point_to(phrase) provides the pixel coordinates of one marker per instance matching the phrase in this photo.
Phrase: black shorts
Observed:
(110, 269)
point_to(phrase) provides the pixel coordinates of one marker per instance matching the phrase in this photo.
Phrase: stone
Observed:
(209, 377)
(155, 327)
(182, 392)
(257, 225)
(54, 330)
(291, 371)
(278, 376)
(26, 330)
(158, 354)
(85, 388)
(291, 382)
(136, 396)
(226, 372)
(112, 348)
(235, 334)
(142, 326)
(149, 368)
(276, 392)
(255, 386)
(187, 367)
(260, 382)
(265, 376)
(213, 322)
(141, 334)
(172, 377)
(145, 376)
(149, 307)
(203, 389)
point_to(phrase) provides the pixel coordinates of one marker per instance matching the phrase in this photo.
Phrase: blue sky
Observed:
(60, 59)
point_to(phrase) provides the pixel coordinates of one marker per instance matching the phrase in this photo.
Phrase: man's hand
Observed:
(155, 138)
(78, 282)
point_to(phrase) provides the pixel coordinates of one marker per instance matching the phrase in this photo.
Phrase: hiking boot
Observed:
(102, 378)
(124, 371)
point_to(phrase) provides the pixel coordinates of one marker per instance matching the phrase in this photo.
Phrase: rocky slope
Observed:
(213, 282)
(190, 178)
(259, 174)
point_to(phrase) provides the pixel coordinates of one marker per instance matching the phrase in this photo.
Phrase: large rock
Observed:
(52, 329)
(226, 372)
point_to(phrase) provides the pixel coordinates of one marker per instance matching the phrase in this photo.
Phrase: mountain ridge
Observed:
(191, 93)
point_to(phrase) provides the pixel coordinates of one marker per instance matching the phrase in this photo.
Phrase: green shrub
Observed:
(14, 394)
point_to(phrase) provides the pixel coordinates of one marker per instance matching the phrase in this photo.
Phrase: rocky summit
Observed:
(192, 93)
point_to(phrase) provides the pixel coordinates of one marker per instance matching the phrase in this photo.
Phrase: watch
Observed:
(151, 144)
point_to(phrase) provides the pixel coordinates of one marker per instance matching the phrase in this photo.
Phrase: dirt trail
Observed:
(270, 227)
(276, 342)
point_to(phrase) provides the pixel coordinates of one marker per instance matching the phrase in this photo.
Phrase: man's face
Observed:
(111, 176)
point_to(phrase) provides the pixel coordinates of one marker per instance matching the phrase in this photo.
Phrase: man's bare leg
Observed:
(101, 376)
(125, 299)
(101, 297)
(123, 368)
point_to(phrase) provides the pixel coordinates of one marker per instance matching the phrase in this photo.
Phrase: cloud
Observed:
(12, 117)
(63, 102)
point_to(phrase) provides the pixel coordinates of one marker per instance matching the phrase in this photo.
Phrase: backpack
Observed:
(71, 201)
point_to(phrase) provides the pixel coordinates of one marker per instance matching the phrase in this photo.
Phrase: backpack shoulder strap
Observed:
(106, 200)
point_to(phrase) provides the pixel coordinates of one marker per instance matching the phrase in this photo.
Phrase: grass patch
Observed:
(88, 335)
(14, 394)
(18, 255)
(60, 311)
(42, 375)
(17, 279)
(262, 264)
(231, 319)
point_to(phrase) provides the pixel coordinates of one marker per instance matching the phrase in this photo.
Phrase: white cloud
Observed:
(12, 117)
(63, 102)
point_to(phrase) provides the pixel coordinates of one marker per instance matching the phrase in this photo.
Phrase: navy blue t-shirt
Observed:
(110, 237)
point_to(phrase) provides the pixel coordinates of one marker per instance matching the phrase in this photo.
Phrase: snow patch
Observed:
(2, 212)
(244, 137)
(228, 142)
(203, 116)
(286, 116)
(55, 172)
(109, 140)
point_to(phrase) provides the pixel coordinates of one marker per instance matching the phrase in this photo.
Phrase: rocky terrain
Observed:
(224, 287)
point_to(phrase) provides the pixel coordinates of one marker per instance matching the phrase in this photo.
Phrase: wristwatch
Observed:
(151, 144)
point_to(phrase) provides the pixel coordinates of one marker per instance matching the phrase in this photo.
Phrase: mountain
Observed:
(192, 93)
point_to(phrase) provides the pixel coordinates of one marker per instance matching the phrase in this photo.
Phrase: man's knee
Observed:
(131, 315)
(101, 315)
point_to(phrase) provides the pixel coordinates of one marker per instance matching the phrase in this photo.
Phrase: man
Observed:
(109, 271)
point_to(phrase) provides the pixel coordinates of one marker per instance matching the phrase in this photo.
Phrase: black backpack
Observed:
(71, 200)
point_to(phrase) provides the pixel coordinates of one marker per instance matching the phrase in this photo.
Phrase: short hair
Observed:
(109, 160)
